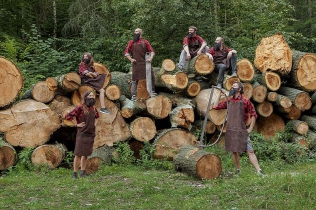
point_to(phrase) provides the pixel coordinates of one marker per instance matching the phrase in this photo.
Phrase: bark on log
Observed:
(28, 123)
(248, 89)
(51, 83)
(210, 127)
(182, 116)
(130, 108)
(192, 89)
(269, 126)
(168, 142)
(101, 69)
(299, 126)
(313, 98)
(269, 79)
(312, 136)
(40, 92)
(264, 109)
(303, 71)
(273, 53)
(49, 154)
(8, 155)
(159, 107)
(245, 70)
(310, 120)
(178, 100)
(122, 80)
(143, 129)
(259, 92)
(175, 82)
(76, 97)
(272, 96)
(11, 82)
(198, 162)
(200, 65)
(283, 101)
(313, 110)
(113, 92)
(292, 113)
(299, 98)
(59, 103)
(68, 83)
(300, 140)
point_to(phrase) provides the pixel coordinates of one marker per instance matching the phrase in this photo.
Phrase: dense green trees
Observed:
(48, 37)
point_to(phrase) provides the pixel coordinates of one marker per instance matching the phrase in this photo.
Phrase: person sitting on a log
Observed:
(136, 52)
(85, 118)
(237, 135)
(90, 77)
(224, 58)
(193, 45)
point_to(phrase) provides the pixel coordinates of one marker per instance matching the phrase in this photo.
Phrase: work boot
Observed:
(74, 176)
(83, 173)
(133, 98)
(105, 111)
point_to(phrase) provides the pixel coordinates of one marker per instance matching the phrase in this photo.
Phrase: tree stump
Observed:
(49, 154)
(299, 98)
(274, 54)
(197, 162)
(11, 82)
(28, 123)
(101, 69)
(168, 142)
(298, 126)
(159, 107)
(40, 92)
(143, 129)
(8, 155)
(245, 70)
(269, 126)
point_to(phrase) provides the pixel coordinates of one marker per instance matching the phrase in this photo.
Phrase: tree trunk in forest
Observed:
(197, 162)
(248, 89)
(292, 112)
(245, 70)
(168, 142)
(113, 92)
(299, 126)
(8, 156)
(59, 103)
(200, 65)
(264, 109)
(182, 116)
(101, 69)
(130, 108)
(274, 54)
(68, 83)
(49, 154)
(159, 107)
(40, 92)
(28, 123)
(51, 83)
(269, 126)
(269, 79)
(299, 98)
(11, 82)
(272, 96)
(76, 97)
(143, 129)
(259, 92)
(303, 71)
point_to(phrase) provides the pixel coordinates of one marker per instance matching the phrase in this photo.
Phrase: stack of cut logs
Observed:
(280, 84)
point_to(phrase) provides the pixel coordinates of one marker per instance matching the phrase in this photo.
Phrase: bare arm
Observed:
(252, 123)
(202, 48)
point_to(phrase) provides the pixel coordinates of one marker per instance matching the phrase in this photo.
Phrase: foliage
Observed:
(24, 160)
(125, 154)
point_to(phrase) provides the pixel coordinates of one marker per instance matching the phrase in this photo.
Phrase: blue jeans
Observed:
(183, 57)
(221, 68)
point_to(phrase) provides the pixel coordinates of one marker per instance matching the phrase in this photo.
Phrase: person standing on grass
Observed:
(90, 77)
(85, 117)
(237, 134)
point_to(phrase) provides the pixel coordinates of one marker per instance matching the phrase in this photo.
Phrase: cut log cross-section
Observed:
(264, 109)
(259, 93)
(299, 126)
(192, 89)
(197, 162)
(159, 106)
(68, 83)
(113, 92)
(8, 156)
(269, 79)
(299, 98)
(200, 65)
(76, 97)
(130, 108)
(102, 69)
(51, 83)
(49, 154)
(245, 70)
(168, 65)
(269, 126)
(40, 92)
(310, 120)
(143, 129)
(283, 101)
(272, 96)
(248, 89)
(11, 82)
(292, 113)
(182, 116)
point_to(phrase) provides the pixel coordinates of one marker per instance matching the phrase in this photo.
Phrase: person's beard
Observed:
(136, 37)
(232, 91)
(217, 46)
(90, 101)
(190, 35)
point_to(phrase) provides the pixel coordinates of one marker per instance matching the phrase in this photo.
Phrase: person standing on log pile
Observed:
(224, 58)
(193, 45)
(135, 52)
(237, 135)
(85, 118)
(90, 77)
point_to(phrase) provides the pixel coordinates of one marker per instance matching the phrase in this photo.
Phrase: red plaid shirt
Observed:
(130, 45)
(249, 110)
(186, 40)
(78, 112)
(83, 69)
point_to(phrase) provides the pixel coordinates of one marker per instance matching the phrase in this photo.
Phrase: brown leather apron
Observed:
(194, 47)
(139, 67)
(236, 133)
(97, 83)
(85, 135)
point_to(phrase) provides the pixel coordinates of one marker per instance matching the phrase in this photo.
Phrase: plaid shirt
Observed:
(130, 45)
(78, 112)
(83, 69)
(249, 110)
(186, 40)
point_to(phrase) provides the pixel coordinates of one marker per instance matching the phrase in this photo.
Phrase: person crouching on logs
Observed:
(85, 117)
(90, 77)
(237, 135)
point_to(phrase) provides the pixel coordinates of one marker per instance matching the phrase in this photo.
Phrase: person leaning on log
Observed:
(193, 45)
(237, 135)
(85, 118)
(224, 58)
(90, 77)
(135, 52)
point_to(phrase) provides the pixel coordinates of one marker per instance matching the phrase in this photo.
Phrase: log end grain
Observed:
(245, 70)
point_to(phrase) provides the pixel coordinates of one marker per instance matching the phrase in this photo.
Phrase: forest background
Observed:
(48, 37)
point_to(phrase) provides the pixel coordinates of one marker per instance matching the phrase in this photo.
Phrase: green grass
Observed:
(133, 187)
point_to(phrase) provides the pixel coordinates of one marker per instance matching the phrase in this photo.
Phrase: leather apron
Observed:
(194, 47)
(139, 67)
(236, 133)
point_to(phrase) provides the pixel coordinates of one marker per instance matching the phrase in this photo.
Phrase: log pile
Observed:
(280, 84)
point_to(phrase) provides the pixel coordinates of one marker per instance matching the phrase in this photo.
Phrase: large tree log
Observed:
(168, 65)
(245, 70)
(8, 155)
(11, 82)
(175, 82)
(40, 92)
(273, 53)
(310, 120)
(272, 96)
(298, 126)
(122, 80)
(68, 83)
(269, 79)
(28, 123)
(303, 71)
(130, 108)
(269, 126)
(299, 98)
(113, 92)
(76, 97)
(283, 101)
(292, 112)
(300, 140)
(192, 89)
(143, 129)
(51, 83)
(264, 109)
(59, 103)
(312, 136)
(182, 116)
(49, 154)
(248, 89)
(101, 69)
(178, 100)
(200, 65)
(259, 92)
(198, 162)
(159, 107)
(168, 142)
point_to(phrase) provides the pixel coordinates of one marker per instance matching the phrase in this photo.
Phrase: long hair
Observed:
(90, 64)
(241, 86)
